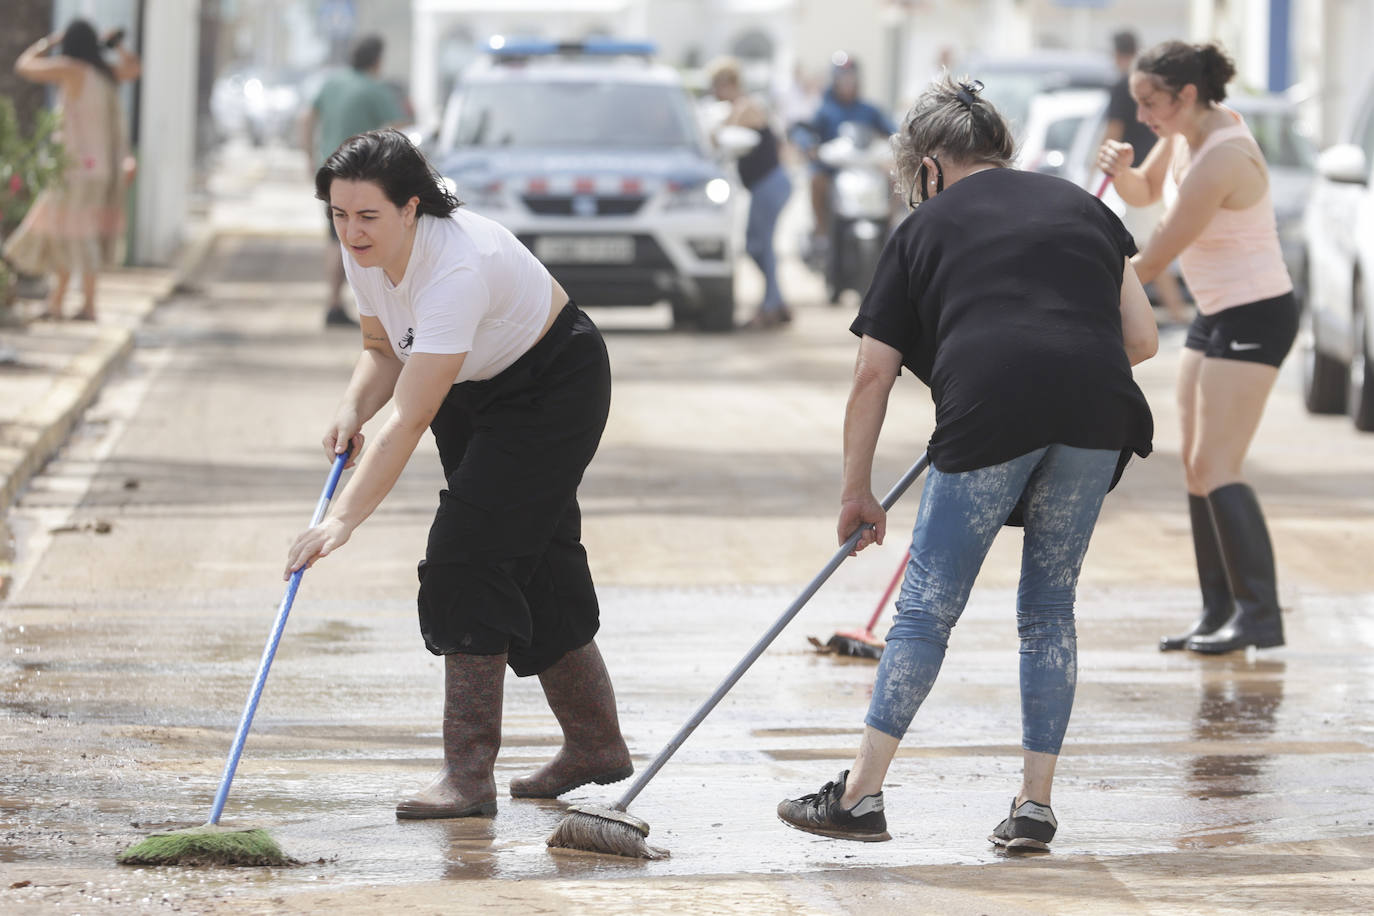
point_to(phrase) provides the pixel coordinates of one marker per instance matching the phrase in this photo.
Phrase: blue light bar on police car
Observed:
(500, 46)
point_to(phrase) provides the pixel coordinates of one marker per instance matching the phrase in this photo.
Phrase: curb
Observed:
(44, 426)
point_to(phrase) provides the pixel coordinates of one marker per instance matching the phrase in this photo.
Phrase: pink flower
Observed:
(89, 162)
(16, 184)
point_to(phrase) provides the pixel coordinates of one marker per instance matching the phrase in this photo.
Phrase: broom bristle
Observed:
(855, 645)
(607, 831)
(207, 845)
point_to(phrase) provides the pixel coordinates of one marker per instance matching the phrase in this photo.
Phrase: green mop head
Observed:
(207, 845)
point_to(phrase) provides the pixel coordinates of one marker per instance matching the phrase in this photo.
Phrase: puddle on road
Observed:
(1164, 754)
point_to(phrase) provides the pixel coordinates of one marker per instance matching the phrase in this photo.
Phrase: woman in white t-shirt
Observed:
(472, 338)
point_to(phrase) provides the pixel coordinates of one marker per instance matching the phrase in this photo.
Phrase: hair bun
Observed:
(1217, 71)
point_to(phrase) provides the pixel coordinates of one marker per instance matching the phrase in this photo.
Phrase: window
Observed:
(582, 113)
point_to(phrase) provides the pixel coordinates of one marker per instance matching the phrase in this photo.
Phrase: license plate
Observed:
(585, 249)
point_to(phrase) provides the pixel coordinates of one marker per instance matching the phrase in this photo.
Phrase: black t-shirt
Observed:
(1003, 294)
(755, 165)
(1121, 107)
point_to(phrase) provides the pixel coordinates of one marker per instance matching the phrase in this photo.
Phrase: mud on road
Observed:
(147, 570)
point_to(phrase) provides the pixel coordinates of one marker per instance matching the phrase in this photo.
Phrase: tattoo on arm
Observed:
(375, 337)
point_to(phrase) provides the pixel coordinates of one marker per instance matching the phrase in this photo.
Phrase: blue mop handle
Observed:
(270, 651)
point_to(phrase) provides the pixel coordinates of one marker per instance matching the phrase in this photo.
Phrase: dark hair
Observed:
(1176, 64)
(389, 160)
(1124, 43)
(79, 43)
(950, 119)
(366, 53)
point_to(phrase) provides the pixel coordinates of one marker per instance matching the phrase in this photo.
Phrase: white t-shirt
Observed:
(470, 287)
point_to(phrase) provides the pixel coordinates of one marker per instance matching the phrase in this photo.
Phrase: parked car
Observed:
(1010, 83)
(1063, 131)
(593, 156)
(256, 104)
(1338, 335)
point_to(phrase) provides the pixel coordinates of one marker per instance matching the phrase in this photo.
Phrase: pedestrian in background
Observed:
(1220, 225)
(1011, 295)
(1122, 125)
(472, 338)
(763, 176)
(349, 103)
(75, 226)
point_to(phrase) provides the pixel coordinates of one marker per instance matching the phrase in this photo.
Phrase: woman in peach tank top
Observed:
(1220, 225)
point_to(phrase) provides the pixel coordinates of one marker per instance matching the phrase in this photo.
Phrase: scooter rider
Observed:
(840, 104)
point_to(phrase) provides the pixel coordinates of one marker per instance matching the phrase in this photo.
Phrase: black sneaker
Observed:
(821, 813)
(1028, 826)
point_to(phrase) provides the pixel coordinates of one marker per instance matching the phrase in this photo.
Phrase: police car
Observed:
(592, 155)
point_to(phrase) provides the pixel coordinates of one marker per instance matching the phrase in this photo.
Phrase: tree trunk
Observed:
(26, 22)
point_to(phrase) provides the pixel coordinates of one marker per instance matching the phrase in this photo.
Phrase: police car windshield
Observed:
(582, 113)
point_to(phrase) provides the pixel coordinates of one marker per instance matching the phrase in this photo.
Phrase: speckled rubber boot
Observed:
(579, 692)
(465, 787)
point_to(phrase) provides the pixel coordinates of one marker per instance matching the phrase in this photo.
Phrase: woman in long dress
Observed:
(74, 226)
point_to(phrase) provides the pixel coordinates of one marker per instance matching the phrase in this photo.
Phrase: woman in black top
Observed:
(1010, 294)
(768, 185)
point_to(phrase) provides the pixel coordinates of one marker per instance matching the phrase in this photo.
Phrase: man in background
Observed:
(351, 102)
(1123, 126)
(840, 104)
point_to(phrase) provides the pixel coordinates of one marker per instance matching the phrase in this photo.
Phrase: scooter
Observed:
(861, 207)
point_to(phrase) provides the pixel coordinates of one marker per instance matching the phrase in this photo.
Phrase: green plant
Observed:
(28, 164)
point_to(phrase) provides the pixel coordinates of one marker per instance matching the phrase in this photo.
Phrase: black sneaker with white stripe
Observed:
(822, 813)
(1028, 826)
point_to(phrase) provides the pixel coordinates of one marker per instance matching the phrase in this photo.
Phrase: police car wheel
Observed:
(717, 306)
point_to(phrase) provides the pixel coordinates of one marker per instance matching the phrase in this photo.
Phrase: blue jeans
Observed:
(960, 515)
(766, 201)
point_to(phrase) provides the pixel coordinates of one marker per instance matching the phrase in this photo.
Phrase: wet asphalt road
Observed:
(127, 654)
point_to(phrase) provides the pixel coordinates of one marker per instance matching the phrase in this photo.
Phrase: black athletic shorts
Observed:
(1261, 332)
(504, 570)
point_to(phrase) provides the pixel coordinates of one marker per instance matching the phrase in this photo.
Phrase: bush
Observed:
(28, 164)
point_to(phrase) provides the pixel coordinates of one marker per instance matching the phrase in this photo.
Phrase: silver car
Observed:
(1338, 335)
(592, 154)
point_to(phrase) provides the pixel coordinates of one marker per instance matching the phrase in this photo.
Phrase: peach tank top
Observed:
(1237, 259)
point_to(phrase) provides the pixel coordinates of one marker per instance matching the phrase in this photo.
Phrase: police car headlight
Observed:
(702, 196)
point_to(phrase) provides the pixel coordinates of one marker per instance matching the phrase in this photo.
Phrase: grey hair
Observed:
(942, 124)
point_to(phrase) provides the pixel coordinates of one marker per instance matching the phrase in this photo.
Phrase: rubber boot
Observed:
(579, 693)
(1217, 605)
(1249, 557)
(466, 786)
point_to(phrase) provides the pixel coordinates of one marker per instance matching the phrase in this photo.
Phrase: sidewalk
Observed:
(50, 372)
(55, 369)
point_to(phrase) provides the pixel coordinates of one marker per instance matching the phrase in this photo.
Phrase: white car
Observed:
(592, 155)
(1338, 334)
(1063, 131)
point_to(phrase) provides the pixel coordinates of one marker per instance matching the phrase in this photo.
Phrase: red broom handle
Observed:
(887, 596)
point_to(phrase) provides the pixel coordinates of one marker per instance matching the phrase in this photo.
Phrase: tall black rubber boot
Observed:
(1249, 557)
(1217, 605)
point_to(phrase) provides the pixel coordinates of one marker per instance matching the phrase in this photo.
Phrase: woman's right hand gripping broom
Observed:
(861, 510)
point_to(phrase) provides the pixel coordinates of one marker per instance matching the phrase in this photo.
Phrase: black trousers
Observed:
(505, 570)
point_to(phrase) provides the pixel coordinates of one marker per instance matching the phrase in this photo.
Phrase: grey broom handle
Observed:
(753, 655)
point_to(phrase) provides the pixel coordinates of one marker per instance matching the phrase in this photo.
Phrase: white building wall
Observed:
(1331, 40)
(167, 112)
